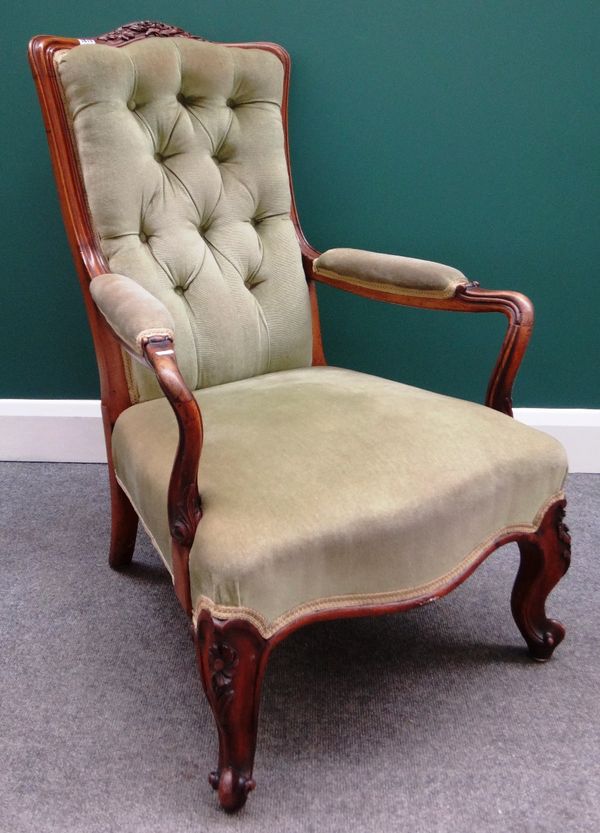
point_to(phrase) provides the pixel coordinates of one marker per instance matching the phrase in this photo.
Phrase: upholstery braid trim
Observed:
(163, 332)
(268, 628)
(390, 288)
(132, 388)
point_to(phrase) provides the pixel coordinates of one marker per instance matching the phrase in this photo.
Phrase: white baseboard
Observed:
(578, 429)
(70, 431)
(51, 430)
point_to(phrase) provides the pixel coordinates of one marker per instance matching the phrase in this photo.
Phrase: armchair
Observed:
(314, 492)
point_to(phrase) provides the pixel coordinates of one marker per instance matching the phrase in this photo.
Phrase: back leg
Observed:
(124, 524)
(545, 558)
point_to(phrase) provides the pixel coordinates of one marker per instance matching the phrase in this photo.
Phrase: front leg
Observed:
(545, 558)
(232, 658)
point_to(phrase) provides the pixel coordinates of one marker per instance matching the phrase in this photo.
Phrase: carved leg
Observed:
(545, 558)
(232, 658)
(124, 524)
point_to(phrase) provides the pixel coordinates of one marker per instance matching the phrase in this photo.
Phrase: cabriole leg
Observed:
(545, 558)
(232, 657)
(124, 524)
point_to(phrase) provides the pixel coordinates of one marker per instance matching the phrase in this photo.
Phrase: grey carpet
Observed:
(434, 720)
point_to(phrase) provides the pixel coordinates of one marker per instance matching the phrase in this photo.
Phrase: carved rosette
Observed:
(188, 515)
(143, 29)
(222, 662)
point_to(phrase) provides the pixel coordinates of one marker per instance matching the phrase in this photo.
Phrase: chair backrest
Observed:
(182, 154)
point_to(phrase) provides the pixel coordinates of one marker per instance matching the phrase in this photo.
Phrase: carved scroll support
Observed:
(518, 309)
(469, 297)
(184, 506)
(232, 658)
(545, 558)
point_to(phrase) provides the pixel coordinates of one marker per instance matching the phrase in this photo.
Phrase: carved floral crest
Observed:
(143, 29)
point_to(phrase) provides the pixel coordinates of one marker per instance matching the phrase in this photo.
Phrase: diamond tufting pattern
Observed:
(181, 149)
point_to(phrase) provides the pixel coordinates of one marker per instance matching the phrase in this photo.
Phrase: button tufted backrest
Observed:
(181, 149)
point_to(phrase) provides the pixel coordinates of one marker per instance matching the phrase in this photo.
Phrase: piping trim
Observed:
(267, 628)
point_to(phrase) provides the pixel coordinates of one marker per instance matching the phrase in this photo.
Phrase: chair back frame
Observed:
(85, 245)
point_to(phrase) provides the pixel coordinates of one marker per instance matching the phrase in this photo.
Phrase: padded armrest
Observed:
(390, 273)
(133, 313)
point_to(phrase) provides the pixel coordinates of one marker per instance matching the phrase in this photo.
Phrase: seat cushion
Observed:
(324, 487)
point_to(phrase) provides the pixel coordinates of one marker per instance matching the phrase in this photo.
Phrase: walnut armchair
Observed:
(314, 492)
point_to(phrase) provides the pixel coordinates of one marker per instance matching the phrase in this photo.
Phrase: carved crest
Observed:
(143, 29)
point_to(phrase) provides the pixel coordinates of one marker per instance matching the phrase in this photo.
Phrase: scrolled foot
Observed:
(545, 558)
(232, 787)
(231, 658)
(541, 646)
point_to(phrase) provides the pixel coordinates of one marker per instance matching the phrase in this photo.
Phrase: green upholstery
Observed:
(181, 148)
(320, 487)
(132, 312)
(321, 483)
(391, 273)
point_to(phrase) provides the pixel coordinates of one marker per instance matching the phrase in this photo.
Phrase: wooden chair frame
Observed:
(232, 655)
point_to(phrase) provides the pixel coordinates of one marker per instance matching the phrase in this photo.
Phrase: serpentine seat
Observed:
(278, 490)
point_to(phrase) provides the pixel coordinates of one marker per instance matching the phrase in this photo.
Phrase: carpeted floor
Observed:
(429, 721)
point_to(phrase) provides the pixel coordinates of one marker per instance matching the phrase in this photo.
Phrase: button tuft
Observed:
(131, 104)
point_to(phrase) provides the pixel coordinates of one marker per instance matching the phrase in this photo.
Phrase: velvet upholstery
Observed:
(132, 312)
(181, 147)
(327, 487)
(392, 273)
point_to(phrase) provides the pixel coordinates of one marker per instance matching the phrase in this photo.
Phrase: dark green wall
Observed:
(464, 131)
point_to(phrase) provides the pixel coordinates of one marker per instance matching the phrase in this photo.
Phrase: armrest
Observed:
(133, 313)
(145, 329)
(390, 273)
(421, 283)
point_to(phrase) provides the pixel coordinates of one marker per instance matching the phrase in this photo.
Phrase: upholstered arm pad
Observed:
(390, 273)
(133, 313)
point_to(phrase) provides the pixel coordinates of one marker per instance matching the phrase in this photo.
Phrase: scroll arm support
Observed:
(519, 311)
(466, 297)
(184, 506)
